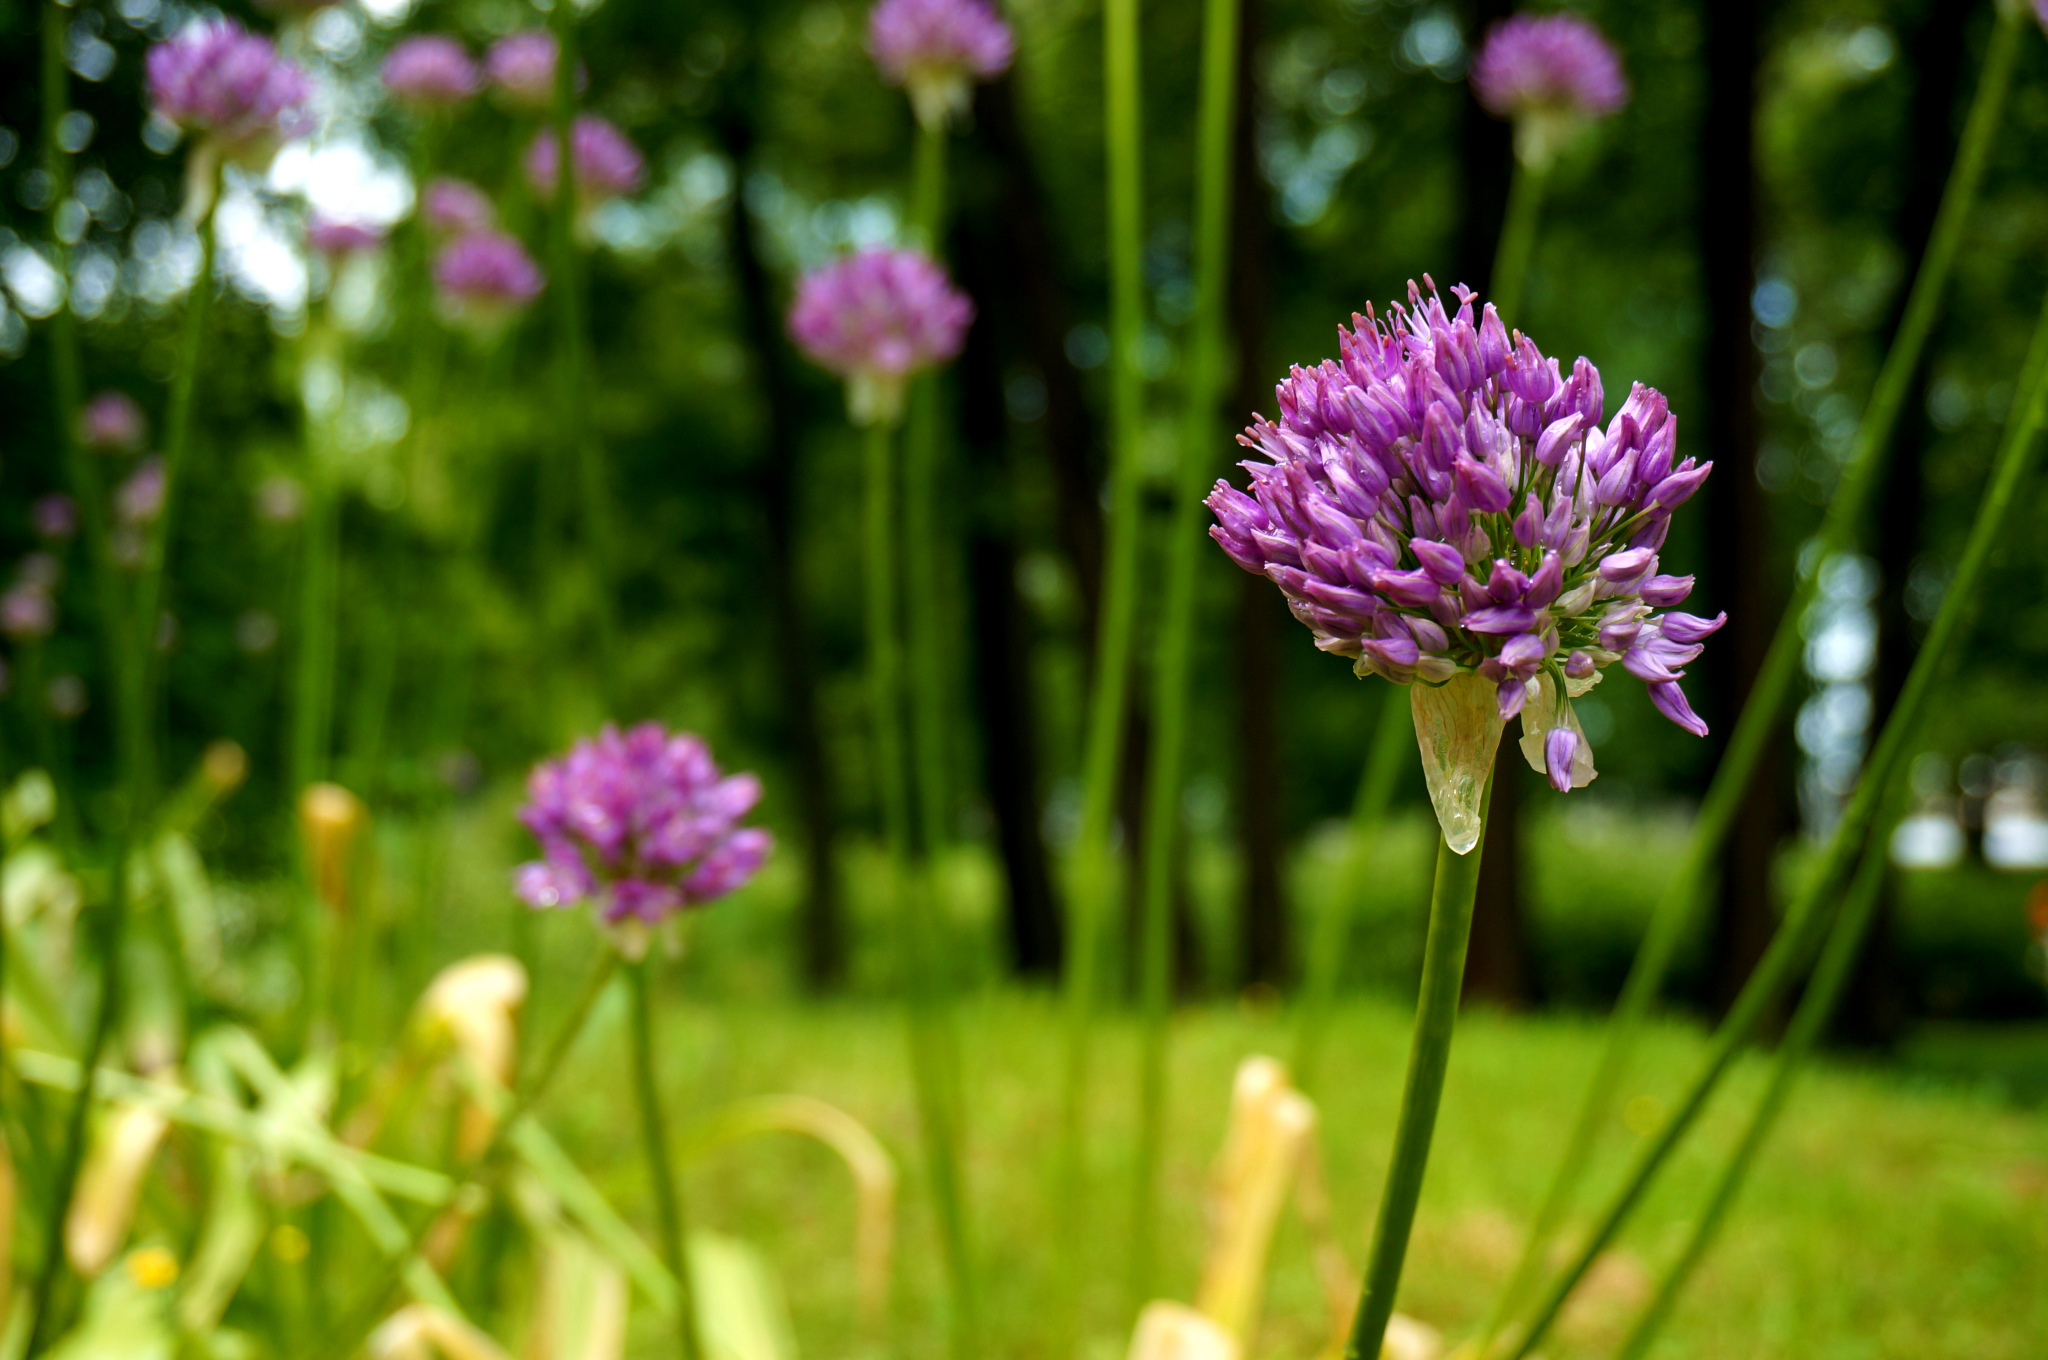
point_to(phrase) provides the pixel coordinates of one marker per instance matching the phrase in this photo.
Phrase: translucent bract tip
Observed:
(1458, 727)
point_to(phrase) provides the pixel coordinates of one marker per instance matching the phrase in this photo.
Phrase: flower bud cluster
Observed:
(1443, 500)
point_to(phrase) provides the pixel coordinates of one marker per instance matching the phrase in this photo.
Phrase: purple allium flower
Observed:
(1441, 501)
(27, 612)
(430, 72)
(607, 164)
(874, 319)
(336, 239)
(455, 207)
(230, 86)
(1550, 73)
(485, 279)
(140, 499)
(936, 49)
(641, 823)
(112, 421)
(522, 67)
(55, 517)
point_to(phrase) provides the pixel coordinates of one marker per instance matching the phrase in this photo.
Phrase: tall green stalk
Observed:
(668, 1202)
(1429, 1055)
(1811, 911)
(1517, 239)
(1092, 874)
(1758, 723)
(1200, 436)
(313, 697)
(923, 601)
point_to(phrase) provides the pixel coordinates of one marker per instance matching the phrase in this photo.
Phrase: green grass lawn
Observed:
(1890, 1217)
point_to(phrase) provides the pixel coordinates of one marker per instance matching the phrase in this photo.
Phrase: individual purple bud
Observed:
(1690, 628)
(1582, 392)
(140, 499)
(1444, 563)
(1560, 748)
(606, 163)
(876, 318)
(1548, 64)
(55, 517)
(1499, 620)
(1557, 437)
(112, 422)
(1395, 658)
(455, 207)
(1529, 374)
(1548, 582)
(1528, 526)
(337, 240)
(1665, 591)
(936, 50)
(1578, 666)
(1627, 565)
(1480, 486)
(431, 72)
(27, 612)
(230, 86)
(1671, 702)
(486, 279)
(1677, 489)
(521, 68)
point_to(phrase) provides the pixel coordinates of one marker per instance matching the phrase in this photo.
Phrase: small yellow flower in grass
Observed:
(152, 1268)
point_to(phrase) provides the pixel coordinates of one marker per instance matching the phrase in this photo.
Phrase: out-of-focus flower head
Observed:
(337, 240)
(27, 612)
(279, 499)
(230, 87)
(1441, 502)
(455, 207)
(876, 318)
(606, 164)
(1551, 74)
(112, 422)
(521, 68)
(140, 499)
(640, 823)
(485, 279)
(55, 517)
(937, 49)
(430, 72)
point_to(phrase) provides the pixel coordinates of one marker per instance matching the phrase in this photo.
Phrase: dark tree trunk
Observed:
(822, 924)
(1742, 558)
(1872, 1012)
(1497, 966)
(1263, 943)
(1000, 629)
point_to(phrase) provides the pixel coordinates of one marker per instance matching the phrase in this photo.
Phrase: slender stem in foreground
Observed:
(668, 1204)
(1758, 723)
(1200, 436)
(930, 707)
(1810, 912)
(313, 702)
(1429, 1054)
(1392, 752)
(1092, 876)
(1517, 239)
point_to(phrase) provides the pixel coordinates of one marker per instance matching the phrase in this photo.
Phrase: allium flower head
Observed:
(337, 239)
(484, 279)
(936, 49)
(1551, 73)
(140, 499)
(640, 823)
(27, 612)
(606, 163)
(455, 207)
(230, 86)
(55, 517)
(521, 67)
(1441, 503)
(112, 422)
(430, 72)
(875, 319)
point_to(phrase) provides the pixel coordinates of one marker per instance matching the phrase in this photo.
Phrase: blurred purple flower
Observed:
(606, 163)
(1551, 74)
(640, 823)
(55, 517)
(522, 67)
(936, 49)
(27, 612)
(140, 499)
(336, 239)
(112, 421)
(229, 85)
(455, 207)
(874, 319)
(485, 279)
(430, 72)
(1441, 501)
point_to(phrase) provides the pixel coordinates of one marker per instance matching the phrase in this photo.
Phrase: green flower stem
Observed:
(313, 698)
(1092, 875)
(1393, 751)
(1810, 912)
(668, 1204)
(1757, 725)
(931, 706)
(1517, 239)
(1429, 1054)
(1200, 437)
